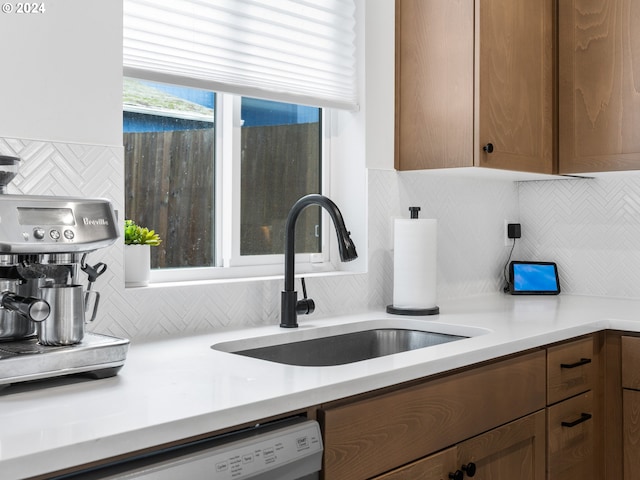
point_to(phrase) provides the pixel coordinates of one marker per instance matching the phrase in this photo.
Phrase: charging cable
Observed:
(507, 287)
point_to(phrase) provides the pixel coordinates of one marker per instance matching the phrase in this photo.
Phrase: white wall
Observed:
(61, 72)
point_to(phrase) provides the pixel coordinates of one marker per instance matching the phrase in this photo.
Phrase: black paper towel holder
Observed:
(413, 311)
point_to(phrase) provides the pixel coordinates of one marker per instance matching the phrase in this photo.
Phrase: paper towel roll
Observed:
(414, 263)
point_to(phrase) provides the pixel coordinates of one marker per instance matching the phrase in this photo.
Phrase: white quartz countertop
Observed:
(174, 389)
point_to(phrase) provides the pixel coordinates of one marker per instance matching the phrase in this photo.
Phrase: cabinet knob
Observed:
(488, 148)
(457, 475)
(469, 469)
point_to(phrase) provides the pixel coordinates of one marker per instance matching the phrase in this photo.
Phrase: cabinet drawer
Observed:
(368, 437)
(631, 362)
(571, 436)
(435, 467)
(570, 369)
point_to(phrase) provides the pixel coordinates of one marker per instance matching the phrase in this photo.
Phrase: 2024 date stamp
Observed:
(24, 8)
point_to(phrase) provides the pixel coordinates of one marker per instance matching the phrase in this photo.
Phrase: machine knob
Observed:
(38, 233)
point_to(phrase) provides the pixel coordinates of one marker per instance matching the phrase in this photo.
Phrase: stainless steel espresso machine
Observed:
(46, 293)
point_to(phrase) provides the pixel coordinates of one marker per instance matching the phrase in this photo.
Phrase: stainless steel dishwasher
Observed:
(289, 449)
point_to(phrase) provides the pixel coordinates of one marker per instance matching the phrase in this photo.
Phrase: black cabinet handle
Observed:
(488, 148)
(457, 475)
(583, 418)
(469, 469)
(582, 361)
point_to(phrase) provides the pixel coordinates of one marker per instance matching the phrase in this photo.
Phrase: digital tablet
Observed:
(533, 278)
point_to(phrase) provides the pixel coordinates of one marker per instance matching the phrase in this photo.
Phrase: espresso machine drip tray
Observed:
(98, 356)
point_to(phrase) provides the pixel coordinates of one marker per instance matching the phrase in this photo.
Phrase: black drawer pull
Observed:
(583, 418)
(583, 361)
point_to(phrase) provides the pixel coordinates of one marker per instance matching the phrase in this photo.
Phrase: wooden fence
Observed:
(169, 186)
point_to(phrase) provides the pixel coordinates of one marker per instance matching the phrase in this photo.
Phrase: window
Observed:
(219, 140)
(174, 159)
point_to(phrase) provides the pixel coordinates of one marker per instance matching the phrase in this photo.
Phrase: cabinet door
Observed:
(599, 79)
(434, 84)
(515, 47)
(631, 434)
(515, 450)
(433, 467)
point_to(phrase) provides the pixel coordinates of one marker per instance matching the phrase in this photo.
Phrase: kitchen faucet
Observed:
(290, 306)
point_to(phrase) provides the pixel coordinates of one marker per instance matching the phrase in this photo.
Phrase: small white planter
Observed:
(137, 265)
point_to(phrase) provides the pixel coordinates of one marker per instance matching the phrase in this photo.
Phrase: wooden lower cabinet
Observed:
(569, 411)
(369, 437)
(515, 450)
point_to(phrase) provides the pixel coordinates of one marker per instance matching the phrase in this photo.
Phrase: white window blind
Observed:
(298, 51)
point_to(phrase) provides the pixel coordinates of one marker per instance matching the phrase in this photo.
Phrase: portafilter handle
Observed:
(34, 309)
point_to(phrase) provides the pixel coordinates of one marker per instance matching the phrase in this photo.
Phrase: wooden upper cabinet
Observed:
(434, 84)
(515, 84)
(599, 85)
(469, 74)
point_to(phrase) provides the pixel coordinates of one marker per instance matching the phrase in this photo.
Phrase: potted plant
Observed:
(137, 253)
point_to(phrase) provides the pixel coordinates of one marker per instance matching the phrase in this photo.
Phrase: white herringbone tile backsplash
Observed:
(590, 227)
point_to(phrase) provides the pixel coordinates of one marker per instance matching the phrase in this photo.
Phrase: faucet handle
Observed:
(305, 306)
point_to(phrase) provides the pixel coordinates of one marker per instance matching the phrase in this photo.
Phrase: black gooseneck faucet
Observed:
(290, 306)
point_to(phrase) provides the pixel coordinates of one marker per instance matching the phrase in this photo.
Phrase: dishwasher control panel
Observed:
(268, 451)
(287, 450)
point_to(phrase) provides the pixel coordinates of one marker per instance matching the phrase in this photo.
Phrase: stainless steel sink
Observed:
(333, 347)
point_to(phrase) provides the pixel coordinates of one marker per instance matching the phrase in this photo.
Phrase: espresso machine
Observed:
(45, 242)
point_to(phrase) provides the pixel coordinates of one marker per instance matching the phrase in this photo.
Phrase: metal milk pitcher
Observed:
(65, 324)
